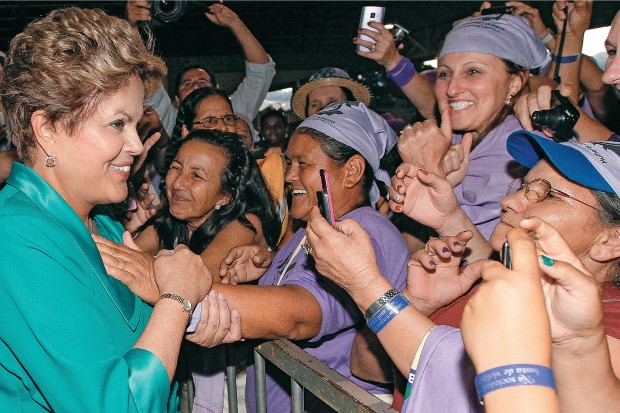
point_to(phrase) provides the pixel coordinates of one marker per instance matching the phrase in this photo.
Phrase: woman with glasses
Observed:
(572, 189)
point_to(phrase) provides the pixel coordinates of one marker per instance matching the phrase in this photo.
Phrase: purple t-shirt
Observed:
(444, 379)
(340, 315)
(491, 169)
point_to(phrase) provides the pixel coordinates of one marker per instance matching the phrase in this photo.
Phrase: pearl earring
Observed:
(508, 100)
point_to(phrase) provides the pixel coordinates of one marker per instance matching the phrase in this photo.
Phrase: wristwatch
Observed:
(187, 305)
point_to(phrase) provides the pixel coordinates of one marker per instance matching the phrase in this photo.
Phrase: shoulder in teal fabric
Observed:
(68, 328)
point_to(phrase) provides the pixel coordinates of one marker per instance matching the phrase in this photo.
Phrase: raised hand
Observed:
(244, 263)
(222, 15)
(505, 321)
(456, 160)
(143, 213)
(435, 277)
(425, 144)
(572, 294)
(422, 196)
(138, 10)
(384, 50)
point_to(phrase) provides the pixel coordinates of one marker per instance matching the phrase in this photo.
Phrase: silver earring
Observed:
(217, 207)
(50, 161)
(508, 100)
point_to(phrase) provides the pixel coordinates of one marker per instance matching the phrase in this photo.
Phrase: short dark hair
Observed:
(609, 216)
(347, 94)
(273, 112)
(186, 69)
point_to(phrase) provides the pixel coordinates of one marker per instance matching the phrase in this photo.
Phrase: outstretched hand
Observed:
(244, 263)
(218, 324)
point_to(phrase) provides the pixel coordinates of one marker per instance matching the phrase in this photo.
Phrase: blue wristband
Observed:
(513, 375)
(566, 59)
(402, 73)
(386, 313)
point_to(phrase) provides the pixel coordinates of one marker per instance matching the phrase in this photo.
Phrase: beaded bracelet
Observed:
(402, 73)
(513, 375)
(566, 59)
(387, 313)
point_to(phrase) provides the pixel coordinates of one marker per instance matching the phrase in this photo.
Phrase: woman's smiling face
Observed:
(475, 86)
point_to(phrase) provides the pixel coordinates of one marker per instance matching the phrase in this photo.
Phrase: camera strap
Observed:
(556, 74)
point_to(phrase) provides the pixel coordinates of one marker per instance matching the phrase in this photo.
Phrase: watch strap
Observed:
(380, 302)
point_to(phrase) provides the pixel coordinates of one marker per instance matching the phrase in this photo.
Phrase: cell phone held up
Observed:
(370, 14)
(325, 199)
(506, 260)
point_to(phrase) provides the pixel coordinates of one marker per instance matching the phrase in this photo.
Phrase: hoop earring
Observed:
(508, 100)
(217, 207)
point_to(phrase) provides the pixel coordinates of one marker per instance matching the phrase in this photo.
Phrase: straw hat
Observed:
(329, 76)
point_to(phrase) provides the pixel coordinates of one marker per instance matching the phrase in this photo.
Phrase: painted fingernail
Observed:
(432, 263)
(221, 297)
(213, 294)
(547, 261)
(398, 208)
(354, 39)
(398, 187)
(457, 244)
(423, 172)
(445, 250)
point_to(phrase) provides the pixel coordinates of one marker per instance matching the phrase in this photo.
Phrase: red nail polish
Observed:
(423, 172)
(398, 208)
(432, 263)
(398, 187)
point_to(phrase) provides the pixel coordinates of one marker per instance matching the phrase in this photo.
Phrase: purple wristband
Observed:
(402, 73)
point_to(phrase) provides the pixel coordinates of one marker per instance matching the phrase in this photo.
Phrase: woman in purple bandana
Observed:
(482, 69)
(293, 300)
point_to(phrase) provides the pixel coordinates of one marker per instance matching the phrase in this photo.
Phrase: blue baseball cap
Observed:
(595, 165)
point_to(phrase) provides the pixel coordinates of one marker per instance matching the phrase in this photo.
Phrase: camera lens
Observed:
(168, 11)
(552, 118)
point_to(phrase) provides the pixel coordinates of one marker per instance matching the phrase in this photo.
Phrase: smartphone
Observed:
(506, 260)
(325, 199)
(370, 14)
(498, 10)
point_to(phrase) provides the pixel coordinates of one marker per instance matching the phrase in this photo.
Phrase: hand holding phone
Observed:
(370, 14)
(325, 199)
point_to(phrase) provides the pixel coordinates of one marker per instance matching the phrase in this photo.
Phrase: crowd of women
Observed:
(109, 298)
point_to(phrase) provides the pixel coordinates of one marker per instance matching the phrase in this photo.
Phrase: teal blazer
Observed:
(67, 328)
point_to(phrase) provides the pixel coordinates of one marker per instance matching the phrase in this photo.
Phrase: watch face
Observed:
(187, 306)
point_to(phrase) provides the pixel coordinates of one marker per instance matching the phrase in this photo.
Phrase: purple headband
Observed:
(502, 35)
(360, 128)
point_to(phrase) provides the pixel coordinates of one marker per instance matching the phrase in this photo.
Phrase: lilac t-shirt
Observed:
(491, 169)
(444, 379)
(340, 315)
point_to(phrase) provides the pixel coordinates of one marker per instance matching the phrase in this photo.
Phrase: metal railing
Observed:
(306, 372)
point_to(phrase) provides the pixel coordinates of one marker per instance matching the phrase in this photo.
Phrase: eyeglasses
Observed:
(210, 122)
(539, 189)
(199, 83)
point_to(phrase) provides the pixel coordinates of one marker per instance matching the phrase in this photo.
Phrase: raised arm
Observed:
(417, 88)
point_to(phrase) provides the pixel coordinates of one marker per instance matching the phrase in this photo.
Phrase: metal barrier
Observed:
(308, 373)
